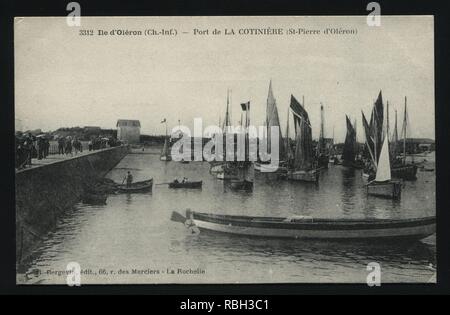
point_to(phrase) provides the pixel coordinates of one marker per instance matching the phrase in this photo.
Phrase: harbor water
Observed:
(132, 240)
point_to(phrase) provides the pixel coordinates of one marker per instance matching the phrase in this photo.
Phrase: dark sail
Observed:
(377, 131)
(348, 154)
(299, 112)
(304, 155)
(369, 140)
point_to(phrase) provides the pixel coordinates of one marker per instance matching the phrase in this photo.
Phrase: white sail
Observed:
(384, 165)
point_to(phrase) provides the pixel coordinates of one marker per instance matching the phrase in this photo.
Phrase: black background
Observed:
(440, 10)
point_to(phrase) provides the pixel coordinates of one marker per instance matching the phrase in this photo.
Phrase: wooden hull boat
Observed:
(186, 185)
(311, 176)
(390, 189)
(225, 176)
(405, 172)
(300, 227)
(241, 184)
(142, 186)
(268, 168)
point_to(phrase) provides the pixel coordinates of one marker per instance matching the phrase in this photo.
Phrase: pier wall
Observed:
(43, 193)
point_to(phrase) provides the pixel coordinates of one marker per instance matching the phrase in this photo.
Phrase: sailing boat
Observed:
(289, 153)
(304, 168)
(348, 153)
(323, 152)
(401, 169)
(383, 185)
(165, 153)
(374, 136)
(223, 169)
(244, 168)
(272, 120)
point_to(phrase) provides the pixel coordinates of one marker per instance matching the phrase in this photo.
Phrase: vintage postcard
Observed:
(225, 149)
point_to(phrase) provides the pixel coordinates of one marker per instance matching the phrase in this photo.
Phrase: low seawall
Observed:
(45, 192)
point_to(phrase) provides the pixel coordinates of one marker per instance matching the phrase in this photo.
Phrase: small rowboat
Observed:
(303, 227)
(269, 168)
(142, 186)
(311, 176)
(186, 184)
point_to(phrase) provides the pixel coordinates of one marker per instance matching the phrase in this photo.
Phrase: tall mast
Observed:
(404, 134)
(287, 138)
(333, 134)
(322, 132)
(356, 141)
(375, 136)
(387, 119)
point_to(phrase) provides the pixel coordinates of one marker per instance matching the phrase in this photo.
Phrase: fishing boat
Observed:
(142, 186)
(373, 132)
(305, 227)
(186, 184)
(244, 169)
(303, 168)
(350, 151)
(269, 168)
(401, 169)
(228, 167)
(226, 175)
(272, 121)
(383, 185)
(165, 153)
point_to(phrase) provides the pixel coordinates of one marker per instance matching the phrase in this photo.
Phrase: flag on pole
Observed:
(245, 106)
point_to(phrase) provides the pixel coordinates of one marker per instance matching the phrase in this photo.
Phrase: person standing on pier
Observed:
(129, 179)
(40, 146)
(69, 146)
(46, 147)
(61, 145)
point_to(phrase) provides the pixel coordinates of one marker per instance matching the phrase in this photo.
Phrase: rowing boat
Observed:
(305, 227)
(142, 186)
(197, 184)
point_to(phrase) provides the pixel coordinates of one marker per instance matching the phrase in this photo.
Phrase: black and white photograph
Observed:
(225, 150)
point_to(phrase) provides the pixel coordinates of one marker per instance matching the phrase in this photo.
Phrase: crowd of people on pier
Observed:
(29, 146)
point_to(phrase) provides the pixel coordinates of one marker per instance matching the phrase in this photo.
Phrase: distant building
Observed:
(417, 145)
(128, 130)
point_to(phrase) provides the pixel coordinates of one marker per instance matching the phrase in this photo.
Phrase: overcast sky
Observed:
(64, 79)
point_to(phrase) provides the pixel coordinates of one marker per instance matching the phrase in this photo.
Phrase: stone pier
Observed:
(45, 191)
